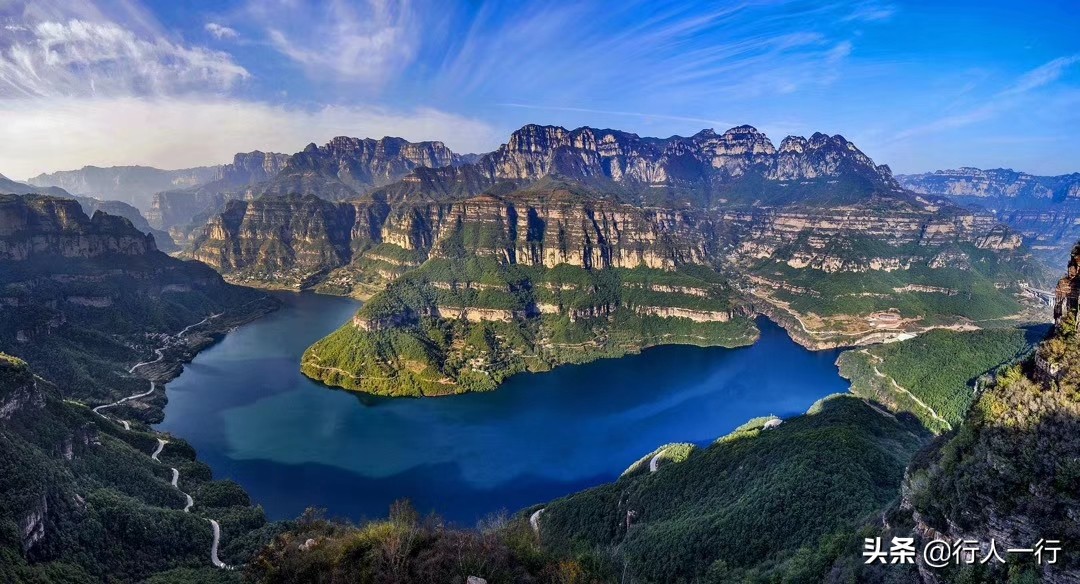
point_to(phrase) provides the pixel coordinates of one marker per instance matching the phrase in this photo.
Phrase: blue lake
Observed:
(293, 443)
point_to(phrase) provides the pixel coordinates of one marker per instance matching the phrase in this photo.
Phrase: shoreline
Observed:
(171, 359)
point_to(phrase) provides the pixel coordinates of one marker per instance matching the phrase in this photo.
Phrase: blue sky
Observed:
(917, 85)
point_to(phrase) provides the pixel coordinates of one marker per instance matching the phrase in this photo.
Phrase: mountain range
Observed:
(560, 246)
(1045, 209)
(131, 184)
(621, 241)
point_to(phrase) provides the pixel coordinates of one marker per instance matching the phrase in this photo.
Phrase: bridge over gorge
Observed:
(1046, 296)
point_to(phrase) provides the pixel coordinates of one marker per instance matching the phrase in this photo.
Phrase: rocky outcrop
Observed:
(46, 226)
(18, 388)
(992, 184)
(178, 208)
(705, 168)
(1067, 293)
(32, 525)
(292, 239)
(21, 398)
(1044, 209)
(347, 167)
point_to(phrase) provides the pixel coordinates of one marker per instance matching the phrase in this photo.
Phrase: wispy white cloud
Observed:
(1042, 75)
(870, 12)
(368, 42)
(999, 103)
(578, 53)
(221, 31)
(52, 134)
(77, 57)
(77, 88)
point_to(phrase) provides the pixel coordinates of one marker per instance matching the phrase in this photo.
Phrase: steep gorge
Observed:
(558, 233)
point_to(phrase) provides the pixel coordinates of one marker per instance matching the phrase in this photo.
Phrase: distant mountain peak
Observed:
(347, 167)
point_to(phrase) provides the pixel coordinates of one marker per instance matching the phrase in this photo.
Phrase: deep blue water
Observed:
(293, 443)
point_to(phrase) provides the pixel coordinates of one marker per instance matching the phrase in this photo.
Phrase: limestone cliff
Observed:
(179, 207)
(278, 239)
(347, 167)
(706, 168)
(36, 226)
(1045, 209)
(291, 240)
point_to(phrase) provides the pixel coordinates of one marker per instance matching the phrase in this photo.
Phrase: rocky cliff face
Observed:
(131, 184)
(827, 239)
(1067, 293)
(287, 239)
(179, 208)
(291, 240)
(347, 167)
(993, 183)
(706, 168)
(40, 226)
(1045, 209)
(551, 228)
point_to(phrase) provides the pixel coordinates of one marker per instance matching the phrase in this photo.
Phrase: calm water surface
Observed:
(293, 443)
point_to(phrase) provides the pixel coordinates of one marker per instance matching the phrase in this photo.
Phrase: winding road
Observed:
(175, 475)
(654, 462)
(874, 360)
(214, 548)
(97, 410)
(189, 502)
(534, 520)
